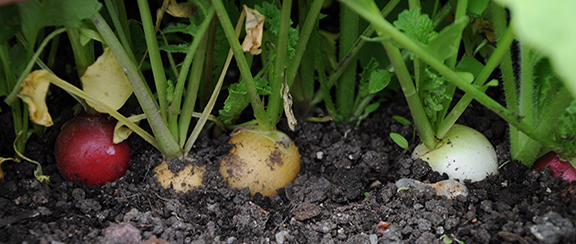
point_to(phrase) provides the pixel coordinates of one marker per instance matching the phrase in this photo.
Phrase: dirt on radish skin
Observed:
(85, 152)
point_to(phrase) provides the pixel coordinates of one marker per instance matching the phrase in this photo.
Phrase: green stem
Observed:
(174, 110)
(345, 91)
(208, 64)
(18, 117)
(528, 151)
(307, 27)
(166, 143)
(329, 104)
(192, 90)
(461, 10)
(121, 25)
(275, 99)
(16, 88)
(499, 18)
(335, 75)
(53, 51)
(257, 106)
(414, 103)
(155, 59)
(209, 106)
(388, 29)
(79, 93)
(497, 56)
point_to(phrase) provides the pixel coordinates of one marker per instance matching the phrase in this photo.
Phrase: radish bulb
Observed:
(182, 181)
(463, 153)
(557, 166)
(261, 161)
(85, 152)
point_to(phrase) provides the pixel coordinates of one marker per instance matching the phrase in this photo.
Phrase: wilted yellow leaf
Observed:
(106, 82)
(254, 29)
(122, 132)
(33, 93)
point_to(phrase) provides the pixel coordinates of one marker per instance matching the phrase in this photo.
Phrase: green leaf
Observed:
(177, 48)
(401, 120)
(189, 29)
(8, 18)
(444, 45)
(470, 64)
(548, 26)
(400, 140)
(170, 90)
(546, 85)
(272, 24)
(415, 25)
(36, 14)
(363, 87)
(371, 108)
(567, 129)
(237, 99)
(379, 80)
(476, 8)
(434, 93)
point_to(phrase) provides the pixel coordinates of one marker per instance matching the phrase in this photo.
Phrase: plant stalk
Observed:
(345, 91)
(275, 99)
(166, 143)
(257, 106)
(155, 59)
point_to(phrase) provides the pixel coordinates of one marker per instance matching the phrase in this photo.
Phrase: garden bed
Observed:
(344, 190)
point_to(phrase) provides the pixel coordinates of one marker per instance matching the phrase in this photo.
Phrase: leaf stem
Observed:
(13, 95)
(371, 14)
(497, 56)
(416, 108)
(166, 143)
(257, 106)
(155, 59)
(307, 28)
(192, 91)
(345, 91)
(176, 104)
(275, 98)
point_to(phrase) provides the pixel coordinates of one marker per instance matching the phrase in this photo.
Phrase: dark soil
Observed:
(345, 189)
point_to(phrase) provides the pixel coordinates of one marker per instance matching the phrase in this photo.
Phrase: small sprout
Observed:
(400, 140)
(401, 120)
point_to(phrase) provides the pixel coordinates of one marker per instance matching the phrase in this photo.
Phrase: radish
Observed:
(85, 152)
(261, 161)
(463, 153)
(557, 166)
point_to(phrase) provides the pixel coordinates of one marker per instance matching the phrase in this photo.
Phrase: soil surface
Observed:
(345, 193)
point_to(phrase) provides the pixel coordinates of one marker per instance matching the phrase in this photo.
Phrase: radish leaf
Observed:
(416, 26)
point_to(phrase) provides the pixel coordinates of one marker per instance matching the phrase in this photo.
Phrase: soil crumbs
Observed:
(345, 194)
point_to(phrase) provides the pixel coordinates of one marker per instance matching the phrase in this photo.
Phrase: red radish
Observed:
(85, 151)
(557, 166)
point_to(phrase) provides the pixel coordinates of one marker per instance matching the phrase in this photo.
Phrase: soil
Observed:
(345, 193)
